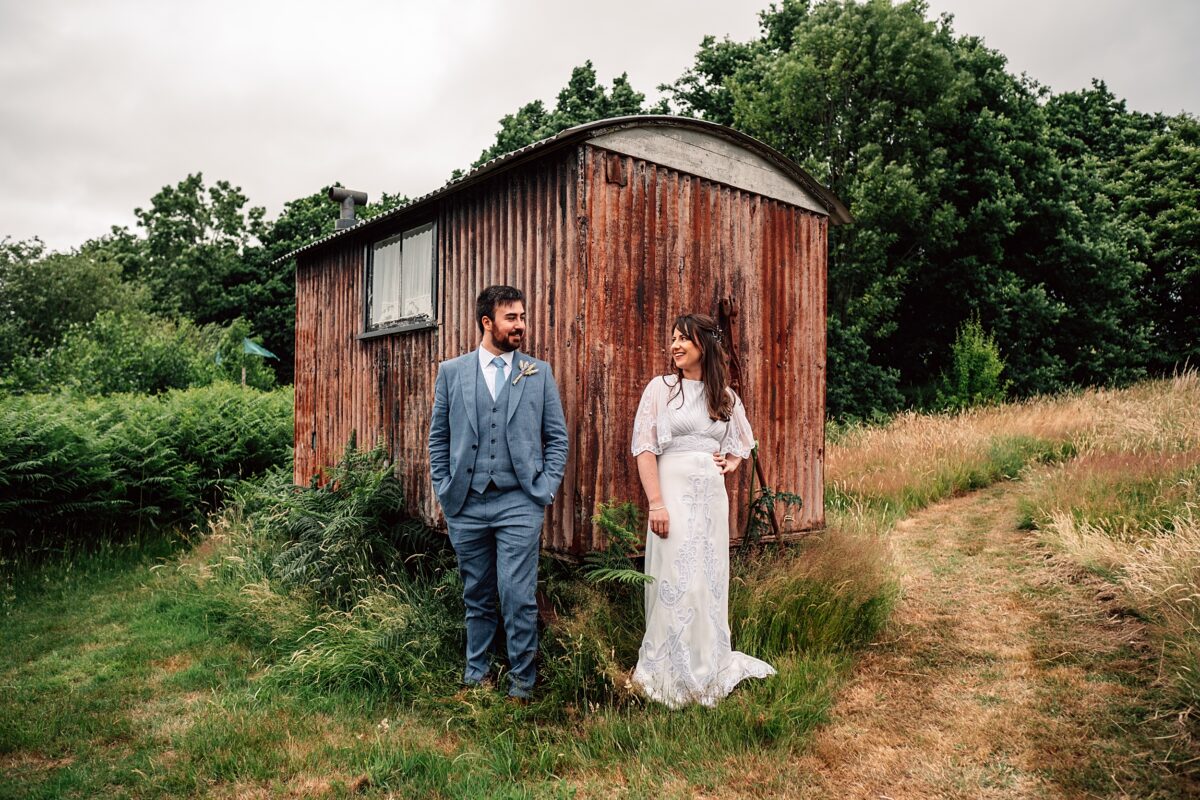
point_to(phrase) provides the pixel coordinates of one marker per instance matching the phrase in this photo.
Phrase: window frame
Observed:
(403, 325)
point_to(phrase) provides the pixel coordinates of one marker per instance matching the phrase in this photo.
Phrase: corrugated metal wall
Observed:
(666, 243)
(608, 249)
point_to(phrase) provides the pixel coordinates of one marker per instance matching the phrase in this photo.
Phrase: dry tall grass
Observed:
(918, 459)
(1125, 506)
(1121, 496)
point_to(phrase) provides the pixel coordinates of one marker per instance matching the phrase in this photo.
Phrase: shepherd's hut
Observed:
(611, 228)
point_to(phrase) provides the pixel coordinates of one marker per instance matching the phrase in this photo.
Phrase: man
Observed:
(497, 453)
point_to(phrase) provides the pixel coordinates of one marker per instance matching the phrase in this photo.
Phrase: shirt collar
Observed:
(485, 358)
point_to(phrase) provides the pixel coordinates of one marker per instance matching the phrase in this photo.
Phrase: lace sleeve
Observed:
(739, 439)
(650, 431)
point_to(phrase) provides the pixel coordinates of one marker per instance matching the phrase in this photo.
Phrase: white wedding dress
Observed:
(686, 655)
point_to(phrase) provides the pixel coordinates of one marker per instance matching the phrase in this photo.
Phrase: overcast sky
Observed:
(103, 103)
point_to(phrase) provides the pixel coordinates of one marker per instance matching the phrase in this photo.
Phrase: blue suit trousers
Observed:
(496, 536)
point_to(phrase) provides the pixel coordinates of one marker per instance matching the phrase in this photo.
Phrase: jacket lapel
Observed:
(466, 385)
(515, 390)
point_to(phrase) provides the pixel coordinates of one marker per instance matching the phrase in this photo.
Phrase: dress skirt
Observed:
(686, 655)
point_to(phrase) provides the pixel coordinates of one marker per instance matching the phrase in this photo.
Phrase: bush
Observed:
(341, 536)
(974, 376)
(140, 353)
(340, 589)
(74, 466)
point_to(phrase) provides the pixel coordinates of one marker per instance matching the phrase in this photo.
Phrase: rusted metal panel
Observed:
(609, 249)
(666, 243)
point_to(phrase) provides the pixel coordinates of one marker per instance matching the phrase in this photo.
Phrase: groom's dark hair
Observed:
(489, 298)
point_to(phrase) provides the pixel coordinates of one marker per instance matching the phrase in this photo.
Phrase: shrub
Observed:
(974, 375)
(73, 466)
(342, 535)
(137, 352)
(342, 591)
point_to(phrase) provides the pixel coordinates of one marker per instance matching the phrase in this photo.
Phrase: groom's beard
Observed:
(511, 342)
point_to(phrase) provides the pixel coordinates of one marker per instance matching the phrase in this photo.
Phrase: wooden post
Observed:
(726, 314)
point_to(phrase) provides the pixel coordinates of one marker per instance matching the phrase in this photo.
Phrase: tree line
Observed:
(1062, 230)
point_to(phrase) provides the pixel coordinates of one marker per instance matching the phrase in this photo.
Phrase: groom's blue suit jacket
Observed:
(537, 430)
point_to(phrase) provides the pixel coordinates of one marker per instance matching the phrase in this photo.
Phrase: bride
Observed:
(690, 431)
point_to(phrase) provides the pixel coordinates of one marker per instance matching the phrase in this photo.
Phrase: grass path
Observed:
(1006, 674)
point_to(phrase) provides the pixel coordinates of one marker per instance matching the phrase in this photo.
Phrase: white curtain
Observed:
(416, 289)
(385, 282)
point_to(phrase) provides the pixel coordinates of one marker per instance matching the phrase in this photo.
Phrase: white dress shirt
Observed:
(489, 369)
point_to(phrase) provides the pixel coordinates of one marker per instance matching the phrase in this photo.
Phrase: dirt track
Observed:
(1005, 674)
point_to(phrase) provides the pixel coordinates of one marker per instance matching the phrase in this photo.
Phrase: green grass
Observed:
(1130, 496)
(146, 671)
(159, 669)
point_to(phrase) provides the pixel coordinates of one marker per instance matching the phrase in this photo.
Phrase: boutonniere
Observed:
(526, 368)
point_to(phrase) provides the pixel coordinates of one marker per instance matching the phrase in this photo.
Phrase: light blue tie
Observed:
(498, 363)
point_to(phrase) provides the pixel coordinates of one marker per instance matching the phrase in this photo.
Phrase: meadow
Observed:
(306, 642)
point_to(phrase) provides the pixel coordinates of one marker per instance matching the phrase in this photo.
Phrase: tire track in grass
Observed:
(1004, 674)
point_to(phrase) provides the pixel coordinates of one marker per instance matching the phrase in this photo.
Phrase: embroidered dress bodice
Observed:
(674, 419)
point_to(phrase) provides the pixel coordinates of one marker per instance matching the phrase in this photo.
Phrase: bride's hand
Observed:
(726, 464)
(660, 521)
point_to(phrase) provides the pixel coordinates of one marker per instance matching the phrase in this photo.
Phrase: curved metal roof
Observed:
(838, 213)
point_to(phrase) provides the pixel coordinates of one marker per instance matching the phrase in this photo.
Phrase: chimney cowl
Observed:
(348, 199)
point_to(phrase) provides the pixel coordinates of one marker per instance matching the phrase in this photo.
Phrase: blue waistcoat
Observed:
(493, 464)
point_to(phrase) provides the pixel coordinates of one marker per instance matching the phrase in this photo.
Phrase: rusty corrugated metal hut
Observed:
(611, 228)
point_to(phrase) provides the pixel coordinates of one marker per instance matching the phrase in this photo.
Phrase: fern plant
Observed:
(344, 536)
(79, 468)
(623, 527)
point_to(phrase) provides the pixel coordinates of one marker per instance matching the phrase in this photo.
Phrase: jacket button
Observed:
(474, 447)
(469, 470)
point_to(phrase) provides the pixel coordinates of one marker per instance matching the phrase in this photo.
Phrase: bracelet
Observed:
(657, 508)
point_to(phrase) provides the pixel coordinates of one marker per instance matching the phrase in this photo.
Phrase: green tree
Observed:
(581, 100)
(43, 294)
(266, 299)
(195, 239)
(962, 206)
(1158, 197)
(134, 351)
(1143, 172)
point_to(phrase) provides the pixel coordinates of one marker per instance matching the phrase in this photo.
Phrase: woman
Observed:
(690, 432)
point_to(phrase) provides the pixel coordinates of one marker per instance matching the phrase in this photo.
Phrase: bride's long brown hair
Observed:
(702, 330)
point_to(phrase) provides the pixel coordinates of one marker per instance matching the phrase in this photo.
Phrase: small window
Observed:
(400, 280)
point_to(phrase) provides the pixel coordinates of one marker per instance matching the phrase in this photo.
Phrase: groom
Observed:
(497, 452)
